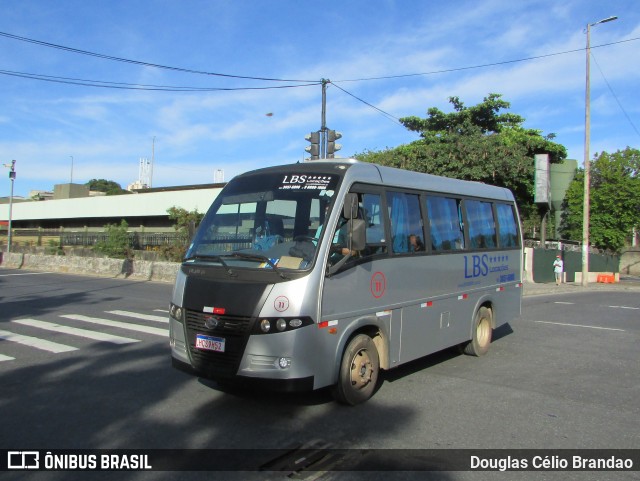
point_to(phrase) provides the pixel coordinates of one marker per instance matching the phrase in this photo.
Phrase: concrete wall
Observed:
(630, 262)
(128, 269)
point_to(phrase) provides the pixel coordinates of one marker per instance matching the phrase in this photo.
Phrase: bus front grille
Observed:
(235, 332)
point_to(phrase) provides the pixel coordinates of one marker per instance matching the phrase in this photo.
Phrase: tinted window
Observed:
(406, 222)
(372, 212)
(507, 226)
(482, 226)
(445, 224)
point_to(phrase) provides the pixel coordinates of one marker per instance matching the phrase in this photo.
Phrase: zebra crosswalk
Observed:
(68, 334)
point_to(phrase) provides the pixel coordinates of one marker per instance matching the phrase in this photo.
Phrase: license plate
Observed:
(209, 343)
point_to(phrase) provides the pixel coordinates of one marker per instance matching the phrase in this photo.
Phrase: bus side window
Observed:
(445, 223)
(406, 222)
(482, 226)
(371, 209)
(507, 226)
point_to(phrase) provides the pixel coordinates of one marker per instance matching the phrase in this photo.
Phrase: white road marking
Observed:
(6, 358)
(580, 325)
(74, 331)
(36, 342)
(135, 315)
(122, 325)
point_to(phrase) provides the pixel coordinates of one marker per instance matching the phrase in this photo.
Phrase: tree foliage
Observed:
(116, 243)
(474, 143)
(185, 224)
(185, 220)
(108, 186)
(614, 200)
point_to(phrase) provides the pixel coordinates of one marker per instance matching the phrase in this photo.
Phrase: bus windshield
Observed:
(271, 220)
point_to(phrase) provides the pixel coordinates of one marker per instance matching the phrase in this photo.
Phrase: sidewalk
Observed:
(627, 283)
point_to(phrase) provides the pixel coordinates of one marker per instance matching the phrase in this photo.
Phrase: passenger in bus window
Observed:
(415, 243)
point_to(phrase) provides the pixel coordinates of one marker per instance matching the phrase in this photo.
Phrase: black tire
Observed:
(481, 333)
(359, 371)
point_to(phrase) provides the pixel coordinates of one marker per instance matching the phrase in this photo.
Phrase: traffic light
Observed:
(314, 148)
(332, 147)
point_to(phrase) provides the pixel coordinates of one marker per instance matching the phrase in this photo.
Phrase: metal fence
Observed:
(137, 240)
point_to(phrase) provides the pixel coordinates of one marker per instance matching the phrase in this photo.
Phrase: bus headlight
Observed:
(284, 362)
(275, 325)
(176, 312)
(265, 325)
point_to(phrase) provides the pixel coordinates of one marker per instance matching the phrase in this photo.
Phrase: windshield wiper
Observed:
(211, 257)
(261, 258)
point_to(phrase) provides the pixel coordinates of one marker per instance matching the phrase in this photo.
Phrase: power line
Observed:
(313, 82)
(392, 118)
(137, 62)
(633, 126)
(494, 64)
(301, 83)
(129, 86)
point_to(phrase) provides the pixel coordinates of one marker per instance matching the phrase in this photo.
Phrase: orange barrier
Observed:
(606, 279)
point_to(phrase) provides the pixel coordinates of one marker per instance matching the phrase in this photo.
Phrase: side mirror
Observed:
(350, 209)
(357, 234)
(356, 241)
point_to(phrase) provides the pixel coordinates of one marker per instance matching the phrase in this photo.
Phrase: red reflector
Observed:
(323, 324)
(219, 310)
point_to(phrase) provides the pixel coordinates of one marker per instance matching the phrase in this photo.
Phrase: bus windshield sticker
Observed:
(305, 182)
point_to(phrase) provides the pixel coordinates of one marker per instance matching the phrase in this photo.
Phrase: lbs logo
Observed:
(478, 267)
(294, 179)
(482, 265)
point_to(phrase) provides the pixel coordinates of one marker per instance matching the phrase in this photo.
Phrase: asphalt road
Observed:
(563, 375)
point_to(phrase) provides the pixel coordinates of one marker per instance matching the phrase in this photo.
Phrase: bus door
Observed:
(358, 288)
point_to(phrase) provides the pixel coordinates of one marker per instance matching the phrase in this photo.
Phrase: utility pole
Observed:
(153, 156)
(12, 176)
(323, 127)
(323, 141)
(587, 166)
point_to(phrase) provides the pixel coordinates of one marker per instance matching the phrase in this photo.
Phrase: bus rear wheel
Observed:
(359, 370)
(481, 333)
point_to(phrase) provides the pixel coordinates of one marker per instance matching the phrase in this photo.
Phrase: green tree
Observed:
(184, 220)
(185, 224)
(614, 201)
(117, 243)
(475, 143)
(108, 186)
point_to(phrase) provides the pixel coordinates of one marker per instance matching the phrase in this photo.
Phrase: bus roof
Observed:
(356, 171)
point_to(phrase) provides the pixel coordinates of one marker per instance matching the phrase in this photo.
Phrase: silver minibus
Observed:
(324, 273)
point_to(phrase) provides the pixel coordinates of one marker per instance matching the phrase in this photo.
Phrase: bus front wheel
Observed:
(359, 370)
(481, 333)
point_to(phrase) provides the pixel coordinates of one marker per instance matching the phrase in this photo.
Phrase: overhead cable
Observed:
(145, 64)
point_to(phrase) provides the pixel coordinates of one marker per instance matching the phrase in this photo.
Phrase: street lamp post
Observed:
(12, 176)
(587, 167)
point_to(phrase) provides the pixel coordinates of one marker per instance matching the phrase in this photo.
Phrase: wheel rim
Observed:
(483, 332)
(361, 370)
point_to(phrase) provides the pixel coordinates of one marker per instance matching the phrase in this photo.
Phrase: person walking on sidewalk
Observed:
(558, 268)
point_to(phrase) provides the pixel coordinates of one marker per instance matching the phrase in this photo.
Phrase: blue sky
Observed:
(43, 125)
